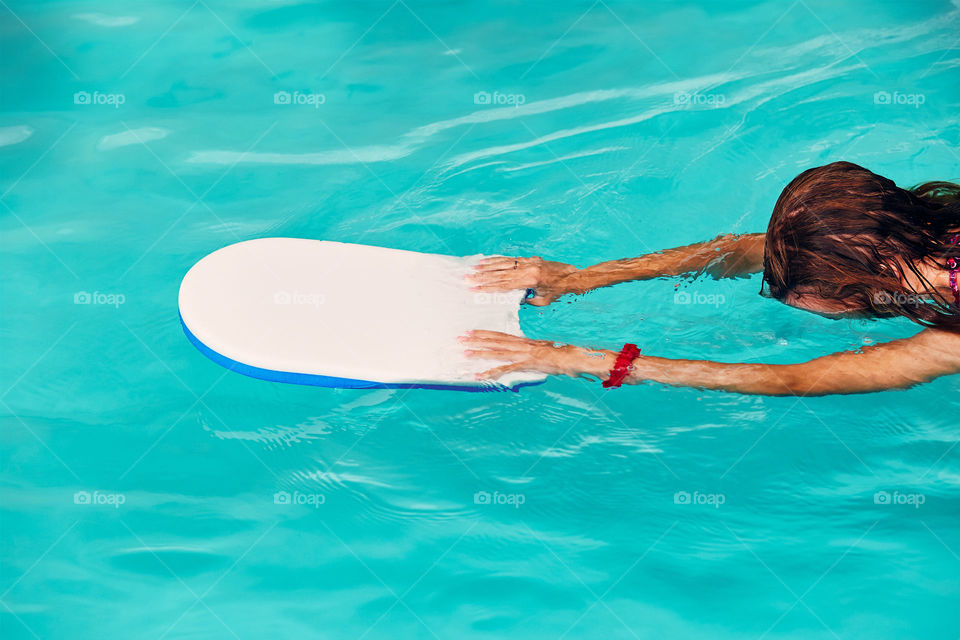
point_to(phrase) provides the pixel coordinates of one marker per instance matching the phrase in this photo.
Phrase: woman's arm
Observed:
(723, 257)
(894, 365)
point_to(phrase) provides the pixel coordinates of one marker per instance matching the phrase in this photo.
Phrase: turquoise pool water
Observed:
(147, 493)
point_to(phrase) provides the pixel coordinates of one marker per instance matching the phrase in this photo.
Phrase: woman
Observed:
(842, 242)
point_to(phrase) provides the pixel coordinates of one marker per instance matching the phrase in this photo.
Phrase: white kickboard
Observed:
(343, 315)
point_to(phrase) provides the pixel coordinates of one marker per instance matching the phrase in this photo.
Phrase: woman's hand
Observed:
(525, 354)
(549, 280)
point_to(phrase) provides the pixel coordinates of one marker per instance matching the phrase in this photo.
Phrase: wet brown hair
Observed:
(847, 238)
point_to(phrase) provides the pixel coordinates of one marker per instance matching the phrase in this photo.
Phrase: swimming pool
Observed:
(146, 492)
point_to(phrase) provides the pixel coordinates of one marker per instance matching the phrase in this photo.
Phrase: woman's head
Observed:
(844, 240)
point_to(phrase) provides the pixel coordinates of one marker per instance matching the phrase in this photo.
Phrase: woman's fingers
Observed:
(504, 262)
(482, 349)
(526, 268)
(505, 274)
(522, 274)
(496, 263)
(497, 277)
(493, 345)
(519, 353)
(495, 354)
(496, 372)
(483, 336)
(510, 279)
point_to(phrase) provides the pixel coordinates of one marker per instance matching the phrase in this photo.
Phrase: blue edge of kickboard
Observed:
(329, 381)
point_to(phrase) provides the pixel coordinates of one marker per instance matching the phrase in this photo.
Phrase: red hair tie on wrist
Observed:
(621, 368)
